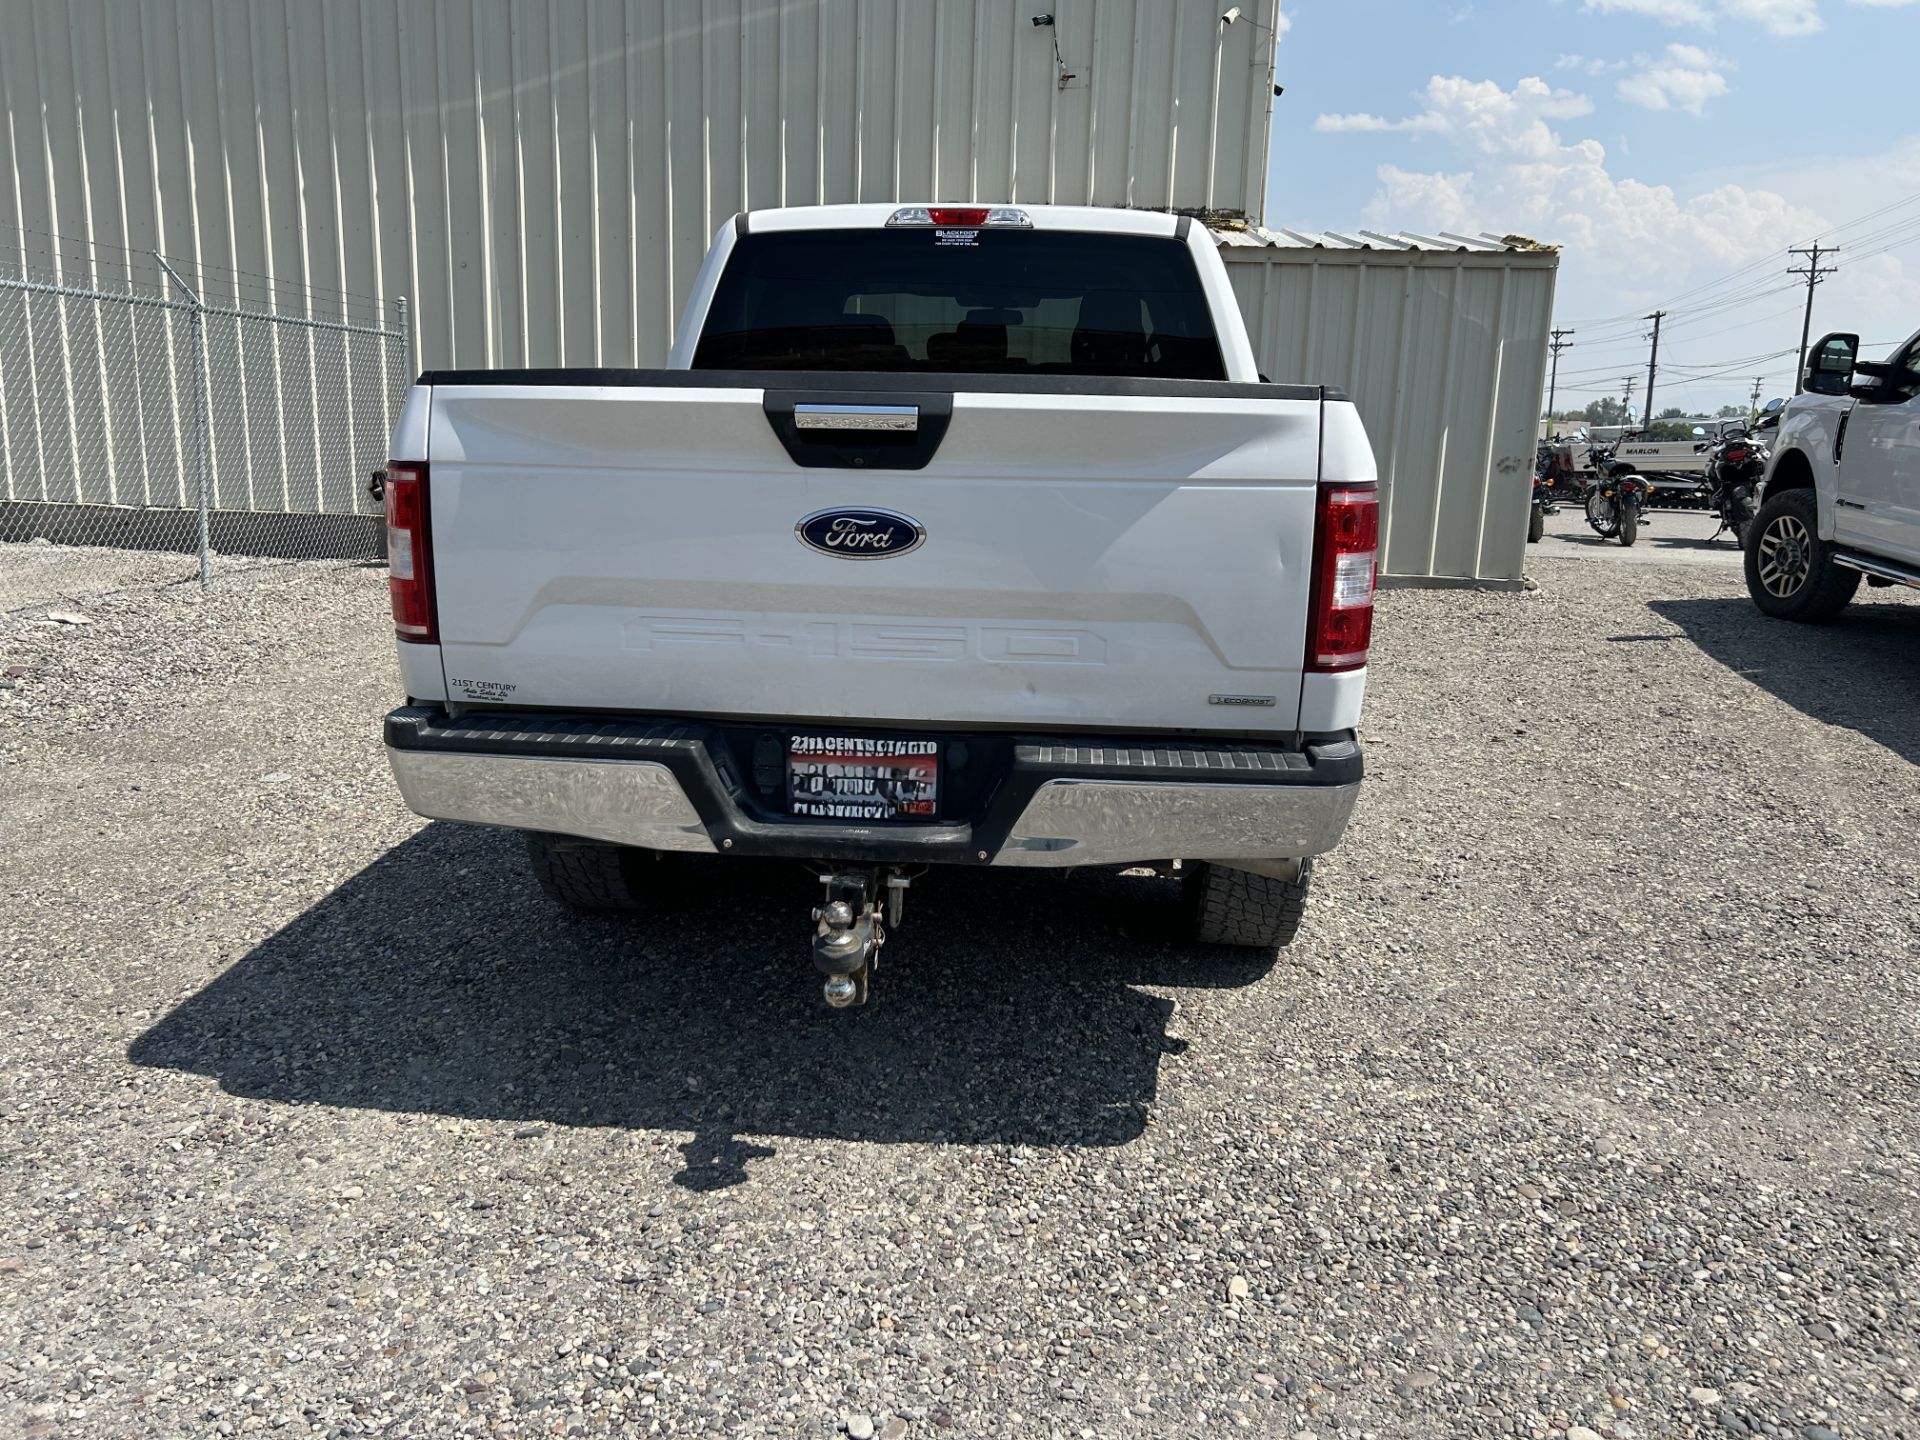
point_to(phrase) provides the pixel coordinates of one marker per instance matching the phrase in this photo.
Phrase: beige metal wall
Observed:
(541, 177)
(1444, 352)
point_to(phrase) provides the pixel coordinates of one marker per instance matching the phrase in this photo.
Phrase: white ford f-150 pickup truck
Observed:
(1841, 500)
(950, 536)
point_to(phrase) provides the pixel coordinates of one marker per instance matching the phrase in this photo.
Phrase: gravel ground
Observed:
(36, 576)
(1585, 1105)
(1666, 537)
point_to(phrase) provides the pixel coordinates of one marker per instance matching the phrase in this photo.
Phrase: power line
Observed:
(1814, 272)
(1745, 364)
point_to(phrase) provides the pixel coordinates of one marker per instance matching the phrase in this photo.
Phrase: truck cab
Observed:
(1841, 501)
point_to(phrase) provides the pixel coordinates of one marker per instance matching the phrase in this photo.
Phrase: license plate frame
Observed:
(863, 779)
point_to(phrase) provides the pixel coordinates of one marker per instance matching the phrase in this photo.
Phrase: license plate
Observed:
(845, 777)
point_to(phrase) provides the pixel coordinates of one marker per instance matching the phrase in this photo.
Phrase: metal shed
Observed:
(1442, 342)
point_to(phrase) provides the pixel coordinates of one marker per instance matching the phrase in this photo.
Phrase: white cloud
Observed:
(1628, 246)
(1777, 17)
(1671, 12)
(1622, 237)
(1685, 78)
(1887, 4)
(1477, 113)
(1364, 124)
(1587, 65)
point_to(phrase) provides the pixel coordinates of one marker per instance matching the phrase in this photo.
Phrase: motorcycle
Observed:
(1623, 498)
(1735, 465)
(1548, 462)
(1617, 503)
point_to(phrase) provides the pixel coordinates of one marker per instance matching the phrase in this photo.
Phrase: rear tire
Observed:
(1602, 514)
(1790, 569)
(1629, 523)
(1536, 525)
(1742, 517)
(587, 874)
(1238, 907)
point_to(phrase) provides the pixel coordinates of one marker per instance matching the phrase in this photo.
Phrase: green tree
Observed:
(1608, 411)
(1732, 412)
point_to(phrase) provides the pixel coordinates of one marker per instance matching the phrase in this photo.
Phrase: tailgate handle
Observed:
(854, 429)
(896, 418)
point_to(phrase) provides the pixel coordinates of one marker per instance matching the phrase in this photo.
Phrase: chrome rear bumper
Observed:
(1105, 822)
(625, 802)
(666, 785)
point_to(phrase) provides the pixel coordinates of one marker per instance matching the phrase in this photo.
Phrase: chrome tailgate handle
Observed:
(856, 429)
(895, 418)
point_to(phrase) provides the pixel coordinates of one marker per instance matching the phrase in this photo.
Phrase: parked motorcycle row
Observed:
(1618, 495)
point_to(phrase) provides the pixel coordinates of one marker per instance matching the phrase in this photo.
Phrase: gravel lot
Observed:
(36, 576)
(1586, 1104)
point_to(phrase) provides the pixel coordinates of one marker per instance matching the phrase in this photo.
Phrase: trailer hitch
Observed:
(848, 930)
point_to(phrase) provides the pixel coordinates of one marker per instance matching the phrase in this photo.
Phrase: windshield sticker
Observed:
(956, 237)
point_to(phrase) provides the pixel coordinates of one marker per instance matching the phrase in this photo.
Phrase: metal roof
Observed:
(1260, 237)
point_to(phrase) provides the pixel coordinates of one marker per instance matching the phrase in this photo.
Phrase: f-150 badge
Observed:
(860, 534)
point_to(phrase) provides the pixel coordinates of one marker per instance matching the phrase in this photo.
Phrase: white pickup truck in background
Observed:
(959, 536)
(1841, 501)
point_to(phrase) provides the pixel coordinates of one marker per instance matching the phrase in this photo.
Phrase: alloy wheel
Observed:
(1786, 556)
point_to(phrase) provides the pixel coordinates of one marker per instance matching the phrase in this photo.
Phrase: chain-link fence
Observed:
(164, 422)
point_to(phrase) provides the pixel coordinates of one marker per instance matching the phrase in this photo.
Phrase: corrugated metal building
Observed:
(541, 178)
(1441, 341)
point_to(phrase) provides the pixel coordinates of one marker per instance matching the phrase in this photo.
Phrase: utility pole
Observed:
(1553, 386)
(1753, 410)
(1813, 271)
(1627, 399)
(1653, 365)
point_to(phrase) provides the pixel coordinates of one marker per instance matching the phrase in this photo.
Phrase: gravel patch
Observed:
(36, 575)
(1585, 1106)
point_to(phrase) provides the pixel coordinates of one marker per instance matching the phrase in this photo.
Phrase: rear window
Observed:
(984, 302)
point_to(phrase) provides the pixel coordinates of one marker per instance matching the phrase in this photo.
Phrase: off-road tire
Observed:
(588, 875)
(1824, 589)
(1629, 523)
(1536, 525)
(1238, 907)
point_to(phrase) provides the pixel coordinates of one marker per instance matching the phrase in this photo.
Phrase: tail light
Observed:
(1736, 453)
(410, 555)
(1346, 548)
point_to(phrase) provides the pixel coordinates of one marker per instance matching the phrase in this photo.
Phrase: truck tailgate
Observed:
(1136, 559)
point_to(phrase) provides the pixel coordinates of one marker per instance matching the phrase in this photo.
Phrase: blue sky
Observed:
(1674, 148)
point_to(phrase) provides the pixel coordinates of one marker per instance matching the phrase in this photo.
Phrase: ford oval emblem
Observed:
(860, 534)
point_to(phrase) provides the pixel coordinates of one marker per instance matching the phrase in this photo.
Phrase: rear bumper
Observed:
(1027, 801)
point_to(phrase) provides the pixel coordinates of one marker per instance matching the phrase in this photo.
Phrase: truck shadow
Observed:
(1861, 672)
(440, 980)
